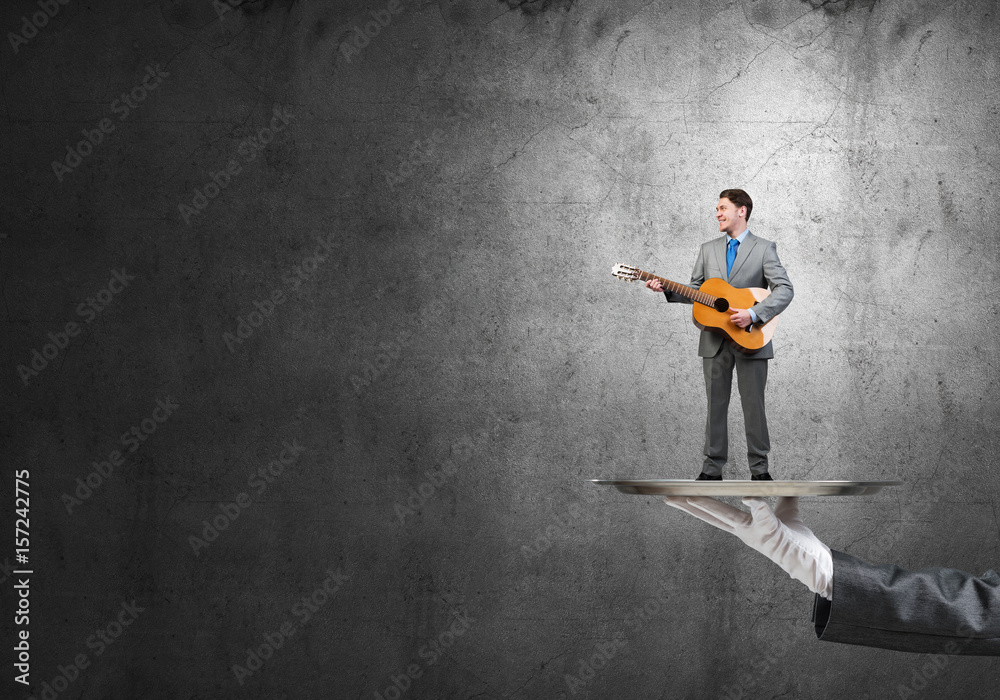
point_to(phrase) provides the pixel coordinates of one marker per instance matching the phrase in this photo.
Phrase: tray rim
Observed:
(741, 487)
(833, 482)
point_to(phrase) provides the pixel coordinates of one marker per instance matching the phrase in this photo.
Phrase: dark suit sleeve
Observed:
(697, 279)
(777, 280)
(934, 611)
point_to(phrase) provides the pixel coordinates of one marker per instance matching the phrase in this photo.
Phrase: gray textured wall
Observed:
(397, 305)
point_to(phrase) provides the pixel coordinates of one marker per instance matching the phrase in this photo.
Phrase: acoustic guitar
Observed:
(712, 304)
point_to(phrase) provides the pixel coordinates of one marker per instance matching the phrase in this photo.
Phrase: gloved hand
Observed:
(779, 535)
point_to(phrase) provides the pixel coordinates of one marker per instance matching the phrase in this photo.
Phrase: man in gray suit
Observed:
(743, 260)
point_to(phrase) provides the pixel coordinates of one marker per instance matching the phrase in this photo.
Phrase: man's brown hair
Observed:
(739, 198)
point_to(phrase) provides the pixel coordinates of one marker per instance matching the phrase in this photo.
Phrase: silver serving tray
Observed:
(693, 487)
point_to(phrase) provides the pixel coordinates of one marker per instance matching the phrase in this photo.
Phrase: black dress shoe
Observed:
(708, 477)
(761, 477)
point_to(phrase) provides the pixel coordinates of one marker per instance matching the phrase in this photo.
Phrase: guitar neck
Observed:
(677, 288)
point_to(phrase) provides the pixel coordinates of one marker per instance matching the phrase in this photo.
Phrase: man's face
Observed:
(732, 219)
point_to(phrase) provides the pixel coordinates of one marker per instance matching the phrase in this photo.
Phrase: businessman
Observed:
(743, 260)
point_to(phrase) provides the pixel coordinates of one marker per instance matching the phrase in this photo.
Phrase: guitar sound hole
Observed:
(721, 305)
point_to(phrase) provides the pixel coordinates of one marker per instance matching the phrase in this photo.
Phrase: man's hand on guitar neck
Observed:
(741, 317)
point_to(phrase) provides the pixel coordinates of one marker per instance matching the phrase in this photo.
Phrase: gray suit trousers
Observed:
(751, 379)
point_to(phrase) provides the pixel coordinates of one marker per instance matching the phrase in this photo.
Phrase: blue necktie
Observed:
(731, 255)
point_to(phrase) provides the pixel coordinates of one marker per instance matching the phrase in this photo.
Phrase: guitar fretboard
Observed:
(682, 289)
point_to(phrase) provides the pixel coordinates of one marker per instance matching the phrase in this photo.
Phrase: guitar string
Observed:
(683, 290)
(693, 294)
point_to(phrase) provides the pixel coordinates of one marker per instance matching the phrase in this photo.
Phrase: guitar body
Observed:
(713, 293)
(707, 318)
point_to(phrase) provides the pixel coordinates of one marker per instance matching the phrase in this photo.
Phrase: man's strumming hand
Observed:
(741, 317)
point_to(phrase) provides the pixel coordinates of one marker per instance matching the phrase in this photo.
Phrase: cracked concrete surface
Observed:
(439, 218)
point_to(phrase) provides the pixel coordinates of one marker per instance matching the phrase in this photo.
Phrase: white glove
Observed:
(779, 535)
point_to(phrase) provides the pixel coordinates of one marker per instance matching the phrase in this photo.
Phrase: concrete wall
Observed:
(393, 296)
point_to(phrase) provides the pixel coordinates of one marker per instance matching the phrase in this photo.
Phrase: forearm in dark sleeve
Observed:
(941, 611)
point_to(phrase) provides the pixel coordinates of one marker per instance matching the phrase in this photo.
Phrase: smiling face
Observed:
(732, 219)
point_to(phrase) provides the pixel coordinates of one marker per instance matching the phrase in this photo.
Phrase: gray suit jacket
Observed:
(934, 611)
(756, 265)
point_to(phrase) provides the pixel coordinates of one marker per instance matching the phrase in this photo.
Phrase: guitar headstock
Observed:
(625, 272)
